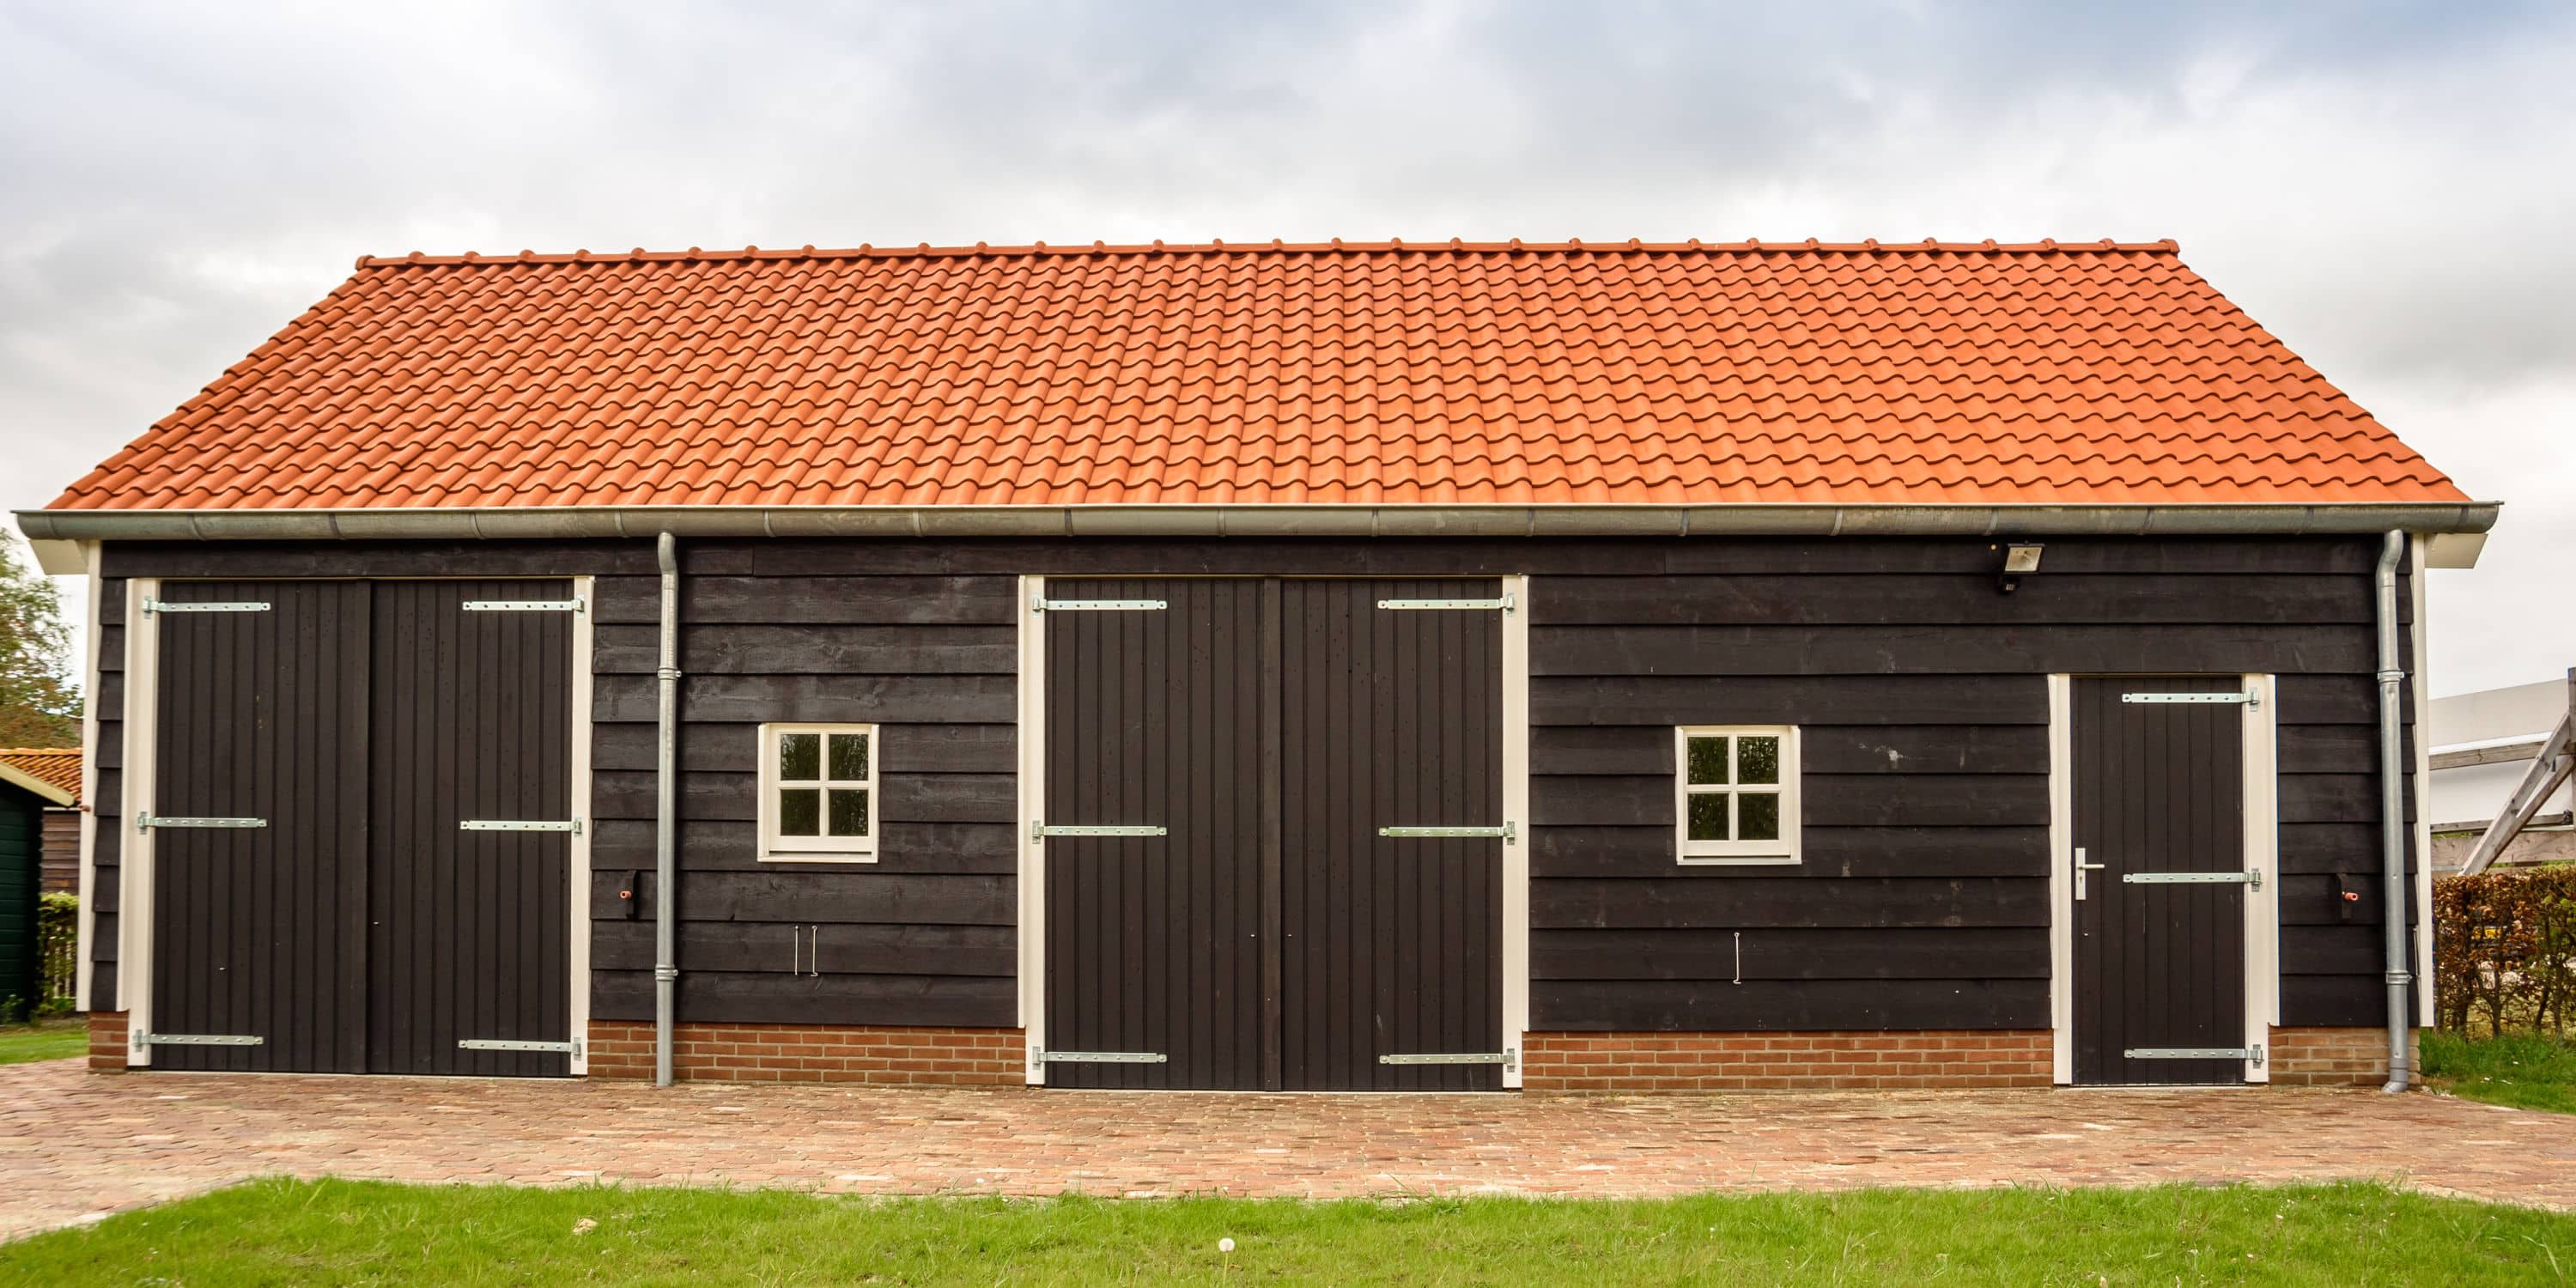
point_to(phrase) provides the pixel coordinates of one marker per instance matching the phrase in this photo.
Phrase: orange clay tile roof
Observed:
(55, 767)
(2079, 373)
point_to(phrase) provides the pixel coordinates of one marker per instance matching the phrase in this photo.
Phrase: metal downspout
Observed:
(2392, 812)
(666, 772)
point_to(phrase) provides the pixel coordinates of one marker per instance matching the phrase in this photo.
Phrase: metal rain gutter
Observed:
(572, 522)
(666, 795)
(2392, 813)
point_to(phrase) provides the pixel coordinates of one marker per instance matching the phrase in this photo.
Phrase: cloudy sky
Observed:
(2386, 186)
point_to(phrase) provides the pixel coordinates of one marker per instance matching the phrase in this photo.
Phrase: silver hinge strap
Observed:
(236, 606)
(1504, 604)
(1045, 605)
(2252, 1053)
(514, 1044)
(523, 605)
(198, 1039)
(1447, 1057)
(2254, 879)
(1042, 831)
(146, 822)
(572, 825)
(1040, 1055)
(1507, 832)
(2205, 699)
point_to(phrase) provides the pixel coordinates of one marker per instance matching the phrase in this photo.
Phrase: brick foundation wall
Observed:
(1838, 1061)
(2336, 1057)
(814, 1053)
(107, 1042)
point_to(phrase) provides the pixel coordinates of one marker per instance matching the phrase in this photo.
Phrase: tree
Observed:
(40, 700)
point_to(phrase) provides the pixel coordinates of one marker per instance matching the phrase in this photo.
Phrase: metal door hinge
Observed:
(1042, 604)
(1503, 604)
(1503, 1058)
(2253, 1054)
(1041, 831)
(146, 822)
(2252, 879)
(1040, 1055)
(2250, 699)
(1507, 832)
(572, 1048)
(572, 825)
(235, 606)
(523, 605)
(142, 1040)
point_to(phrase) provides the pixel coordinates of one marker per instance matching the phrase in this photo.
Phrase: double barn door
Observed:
(361, 820)
(1272, 825)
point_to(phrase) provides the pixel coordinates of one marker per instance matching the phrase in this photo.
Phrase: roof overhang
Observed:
(45, 791)
(563, 522)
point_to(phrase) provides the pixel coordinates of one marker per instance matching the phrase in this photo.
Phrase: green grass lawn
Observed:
(271, 1232)
(46, 1040)
(2525, 1072)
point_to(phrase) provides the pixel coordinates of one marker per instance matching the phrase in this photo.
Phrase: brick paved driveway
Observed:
(74, 1144)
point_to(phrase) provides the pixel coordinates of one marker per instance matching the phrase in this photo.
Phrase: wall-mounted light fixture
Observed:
(2020, 558)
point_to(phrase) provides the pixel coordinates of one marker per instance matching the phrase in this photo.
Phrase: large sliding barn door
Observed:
(258, 821)
(469, 845)
(319, 901)
(1322, 910)
(2159, 827)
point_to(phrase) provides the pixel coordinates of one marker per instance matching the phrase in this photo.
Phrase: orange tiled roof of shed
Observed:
(1387, 373)
(58, 767)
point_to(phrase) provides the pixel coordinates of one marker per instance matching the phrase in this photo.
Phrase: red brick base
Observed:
(1784, 1061)
(2335, 1057)
(806, 1053)
(107, 1042)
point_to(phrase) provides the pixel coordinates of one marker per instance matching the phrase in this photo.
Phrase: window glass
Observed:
(849, 813)
(849, 757)
(800, 757)
(1757, 760)
(800, 811)
(1757, 816)
(1708, 760)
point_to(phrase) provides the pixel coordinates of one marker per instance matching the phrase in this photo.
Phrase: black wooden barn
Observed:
(1265, 667)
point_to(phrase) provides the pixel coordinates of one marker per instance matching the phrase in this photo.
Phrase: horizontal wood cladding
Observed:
(1922, 901)
(1647, 851)
(1920, 687)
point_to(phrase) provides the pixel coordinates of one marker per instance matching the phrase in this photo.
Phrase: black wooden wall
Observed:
(1922, 903)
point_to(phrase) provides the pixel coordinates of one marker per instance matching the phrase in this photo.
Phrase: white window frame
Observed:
(1786, 851)
(818, 849)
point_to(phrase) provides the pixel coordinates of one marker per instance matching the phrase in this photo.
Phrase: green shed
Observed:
(23, 798)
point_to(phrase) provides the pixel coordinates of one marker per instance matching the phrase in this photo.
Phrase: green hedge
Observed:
(2504, 951)
(58, 948)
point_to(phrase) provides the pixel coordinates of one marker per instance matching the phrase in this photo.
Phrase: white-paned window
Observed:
(818, 793)
(1735, 797)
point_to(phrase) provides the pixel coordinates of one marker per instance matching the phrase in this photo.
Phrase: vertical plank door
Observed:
(259, 931)
(2159, 788)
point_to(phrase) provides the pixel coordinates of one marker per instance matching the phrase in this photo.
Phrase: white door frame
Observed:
(2262, 796)
(134, 854)
(135, 910)
(1031, 735)
(1031, 742)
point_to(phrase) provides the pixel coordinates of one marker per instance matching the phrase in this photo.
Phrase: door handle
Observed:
(2082, 867)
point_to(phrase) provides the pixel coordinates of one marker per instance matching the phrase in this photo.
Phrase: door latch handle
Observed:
(2082, 867)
